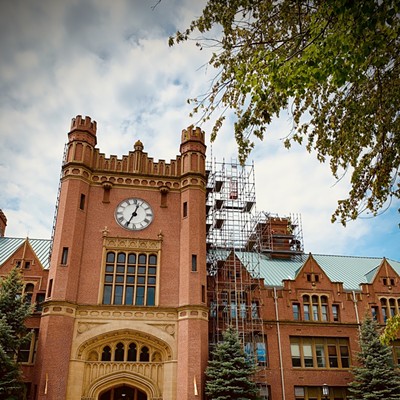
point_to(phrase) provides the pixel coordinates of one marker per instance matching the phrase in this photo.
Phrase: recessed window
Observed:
(319, 352)
(185, 209)
(27, 351)
(50, 288)
(315, 308)
(40, 297)
(335, 312)
(64, 256)
(194, 262)
(203, 293)
(27, 264)
(82, 202)
(255, 348)
(130, 279)
(28, 291)
(296, 311)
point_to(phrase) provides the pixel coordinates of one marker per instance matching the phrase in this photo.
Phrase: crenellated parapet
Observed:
(193, 150)
(83, 129)
(85, 159)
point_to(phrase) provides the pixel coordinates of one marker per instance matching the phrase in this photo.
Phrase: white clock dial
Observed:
(134, 214)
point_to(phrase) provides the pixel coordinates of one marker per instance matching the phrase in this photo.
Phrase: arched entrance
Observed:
(123, 393)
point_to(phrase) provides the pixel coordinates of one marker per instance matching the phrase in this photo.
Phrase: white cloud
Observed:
(113, 63)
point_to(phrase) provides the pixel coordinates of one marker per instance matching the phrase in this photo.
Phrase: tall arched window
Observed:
(106, 354)
(119, 352)
(130, 279)
(28, 291)
(132, 352)
(144, 354)
(306, 307)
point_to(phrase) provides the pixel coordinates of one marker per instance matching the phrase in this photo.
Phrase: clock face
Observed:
(134, 214)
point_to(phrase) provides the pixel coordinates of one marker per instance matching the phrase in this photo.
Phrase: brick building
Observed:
(150, 261)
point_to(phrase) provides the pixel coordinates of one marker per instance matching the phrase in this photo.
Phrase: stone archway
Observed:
(123, 386)
(123, 392)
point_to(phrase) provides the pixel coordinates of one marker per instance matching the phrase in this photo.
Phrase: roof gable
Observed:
(384, 273)
(18, 247)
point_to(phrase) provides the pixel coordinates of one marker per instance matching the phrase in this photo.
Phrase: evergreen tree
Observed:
(229, 372)
(13, 312)
(375, 378)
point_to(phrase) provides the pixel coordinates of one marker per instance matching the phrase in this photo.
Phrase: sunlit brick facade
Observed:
(126, 307)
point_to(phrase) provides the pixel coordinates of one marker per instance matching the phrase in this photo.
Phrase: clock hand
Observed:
(134, 214)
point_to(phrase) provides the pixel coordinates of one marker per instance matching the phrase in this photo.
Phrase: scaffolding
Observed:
(53, 230)
(276, 236)
(238, 239)
(234, 290)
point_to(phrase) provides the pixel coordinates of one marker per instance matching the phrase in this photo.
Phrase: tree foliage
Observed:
(332, 65)
(375, 378)
(229, 372)
(391, 330)
(13, 312)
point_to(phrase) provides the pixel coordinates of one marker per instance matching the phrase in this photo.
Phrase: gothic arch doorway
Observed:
(123, 393)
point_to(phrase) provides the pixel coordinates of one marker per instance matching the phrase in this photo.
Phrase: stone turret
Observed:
(83, 129)
(82, 140)
(193, 150)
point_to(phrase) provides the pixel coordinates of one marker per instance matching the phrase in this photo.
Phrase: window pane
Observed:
(315, 313)
(109, 268)
(233, 310)
(107, 294)
(110, 257)
(344, 354)
(243, 313)
(151, 294)
(298, 391)
(296, 311)
(142, 270)
(333, 361)
(261, 353)
(295, 350)
(109, 278)
(121, 258)
(324, 310)
(132, 258)
(306, 312)
(129, 295)
(320, 353)
(153, 259)
(152, 270)
(142, 258)
(151, 280)
(120, 268)
(118, 294)
(130, 279)
(335, 312)
(308, 359)
(140, 296)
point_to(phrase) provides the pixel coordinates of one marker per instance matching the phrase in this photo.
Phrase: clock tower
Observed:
(125, 313)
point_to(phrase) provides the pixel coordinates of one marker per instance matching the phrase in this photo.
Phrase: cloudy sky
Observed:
(111, 61)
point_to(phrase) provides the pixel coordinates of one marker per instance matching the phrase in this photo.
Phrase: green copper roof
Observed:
(41, 247)
(351, 271)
